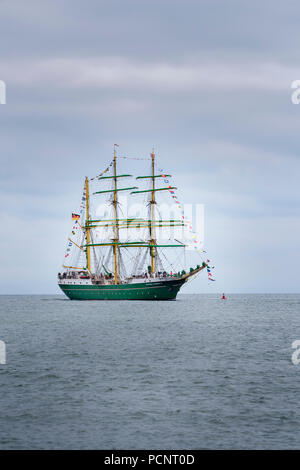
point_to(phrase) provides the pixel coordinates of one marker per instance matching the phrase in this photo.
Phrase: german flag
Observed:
(75, 217)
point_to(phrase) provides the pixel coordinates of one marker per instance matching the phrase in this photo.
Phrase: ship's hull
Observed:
(160, 290)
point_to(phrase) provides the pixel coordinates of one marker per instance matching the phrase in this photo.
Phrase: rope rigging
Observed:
(112, 247)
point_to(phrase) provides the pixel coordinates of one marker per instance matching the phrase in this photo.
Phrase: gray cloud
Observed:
(115, 73)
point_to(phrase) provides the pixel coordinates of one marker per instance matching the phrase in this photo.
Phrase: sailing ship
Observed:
(99, 272)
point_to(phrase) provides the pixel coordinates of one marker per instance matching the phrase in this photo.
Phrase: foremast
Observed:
(115, 221)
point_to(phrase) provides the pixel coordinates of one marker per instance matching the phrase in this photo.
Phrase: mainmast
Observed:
(87, 218)
(152, 221)
(115, 205)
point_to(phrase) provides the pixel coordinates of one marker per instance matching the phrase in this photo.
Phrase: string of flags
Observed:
(135, 158)
(105, 171)
(186, 221)
(75, 220)
(208, 268)
(179, 206)
(112, 162)
(83, 199)
(75, 217)
(70, 244)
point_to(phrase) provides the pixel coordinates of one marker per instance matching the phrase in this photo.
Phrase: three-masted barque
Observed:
(99, 272)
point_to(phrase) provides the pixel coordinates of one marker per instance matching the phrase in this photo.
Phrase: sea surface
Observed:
(196, 373)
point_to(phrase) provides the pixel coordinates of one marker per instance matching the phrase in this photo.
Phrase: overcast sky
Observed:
(207, 82)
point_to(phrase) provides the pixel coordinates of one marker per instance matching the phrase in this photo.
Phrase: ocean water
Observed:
(198, 373)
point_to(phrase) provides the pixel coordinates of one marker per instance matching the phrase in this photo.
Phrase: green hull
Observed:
(161, 290)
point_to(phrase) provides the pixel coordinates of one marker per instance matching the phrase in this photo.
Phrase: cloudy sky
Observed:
(207, 82)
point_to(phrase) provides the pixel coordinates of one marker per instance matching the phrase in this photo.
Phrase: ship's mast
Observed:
(87, 218)
(115, 205)
(152, 206)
